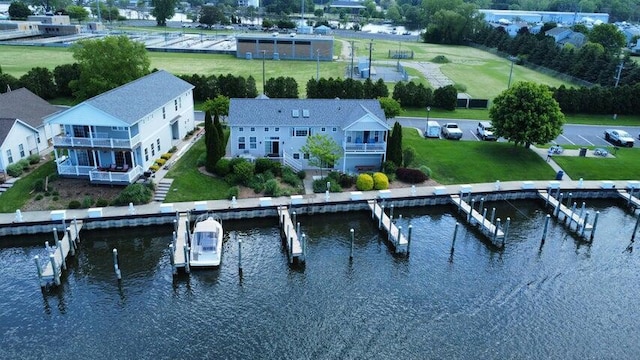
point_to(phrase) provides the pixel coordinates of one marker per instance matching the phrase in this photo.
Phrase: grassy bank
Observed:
(18, 195)
(624, 166)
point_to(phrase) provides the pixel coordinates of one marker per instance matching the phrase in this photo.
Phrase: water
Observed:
(564, 299)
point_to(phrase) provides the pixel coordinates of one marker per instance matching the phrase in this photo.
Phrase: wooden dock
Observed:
(492, 231)
(289, 233)
(394, 234)
(180, 245)
(58, 253)
(630, 198)
(573, 216)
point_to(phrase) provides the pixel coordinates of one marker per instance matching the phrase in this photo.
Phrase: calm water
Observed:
(566, 299)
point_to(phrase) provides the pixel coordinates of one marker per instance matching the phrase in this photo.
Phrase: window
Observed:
(277, 129)
(9, 157)
(252, 142)
(21, 147)
(323, 129)
(334, 129)
(253, 129)
(266, 129)
(38, 138)
(153, 150)
(164, 113)
(175, 104)
(296, 156)
(300, 132)
(241, 143)
(158, 142)
(146, 154)
(240, 129)
(306, 156)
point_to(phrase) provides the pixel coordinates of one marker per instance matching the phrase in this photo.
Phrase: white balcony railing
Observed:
(70, 141)
(99, 176)
(351, 147)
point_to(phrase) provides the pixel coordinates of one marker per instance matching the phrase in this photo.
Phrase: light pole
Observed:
(512, 58)
(426, 129)
(263, 80)
(370, 48)
(317, 64)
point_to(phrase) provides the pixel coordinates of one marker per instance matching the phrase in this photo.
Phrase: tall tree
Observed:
(526, 114)
(394, 145)
(218, 107)
(608, 35)
(107, 63)
(390, 107)
(211, 15)
(323, 151)
(211, 138)
(78, 13)
(40, 81)
(63, 75)
(163, 10)
(19, 10)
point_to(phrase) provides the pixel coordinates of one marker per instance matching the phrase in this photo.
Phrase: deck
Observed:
(396, 237)
(179, 246)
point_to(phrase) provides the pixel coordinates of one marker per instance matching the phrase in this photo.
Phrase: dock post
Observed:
(352, 241)
(55, 236)
(569, 199)
(380, 217)
(635, 229)
(116, 268)
(240, 255)
(493, 215)
(187, 266)
(584, 224)
(455, 234)
(582, 211)
(59, 248)
(573, 210)
(39, 267)
(595, 223)
(546, 227)
(304, 247)
(484, 216)
(557, 212)
(175, 225)
(506, 230)
(72, 244)
(496, 227)
(291, 249)
(397, 239)
(460, 201)
(391, 211)
(546, 202)
(481, 204)
(175, 239)
(400, 218)
(409, 239)
(294, 217)
(172, 259)
(48, 248)
(298, 229)
(188, 227)
(75, 226)
(469, 217)
(56, 271)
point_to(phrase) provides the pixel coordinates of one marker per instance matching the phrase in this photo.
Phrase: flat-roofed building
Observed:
(284, 46)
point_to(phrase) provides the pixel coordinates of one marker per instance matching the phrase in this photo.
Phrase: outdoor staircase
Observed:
(162, 188)
(7, 184)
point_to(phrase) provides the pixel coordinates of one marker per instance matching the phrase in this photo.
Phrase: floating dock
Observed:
(632, 201)
(291, 236)
(179, 248)
(58, 254)
(570, 216)
(395, 236)
(493, 232)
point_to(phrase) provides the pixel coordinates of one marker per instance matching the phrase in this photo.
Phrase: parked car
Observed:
(618, 137)
(485, 131)
(451, 131)
(432, 130)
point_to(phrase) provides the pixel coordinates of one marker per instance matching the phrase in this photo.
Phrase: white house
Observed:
(23, 131)
(116, 136)
(278, 128)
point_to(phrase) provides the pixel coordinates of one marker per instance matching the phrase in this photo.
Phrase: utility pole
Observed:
(512, 58)
(317, 64)
(370, 48)
(352, 52)
(617, 77)
(263, 80)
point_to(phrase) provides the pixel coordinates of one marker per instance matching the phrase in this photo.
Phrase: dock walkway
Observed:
(180, 245)
(396, 237)
(290, 234)
(58, 254)
(489, 229)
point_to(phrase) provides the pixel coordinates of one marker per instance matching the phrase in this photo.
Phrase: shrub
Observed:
(55, 198)
(202, 160)
(301, 174)
(166, 156)
(460, 87)
(380, 181)
(74, 204)
(389, 167)
(272, 188)
(440, 59)
(154, 167)
(173, 149)
(55, 193)
(320, 185)
(39, 197)
(289, 177)
(46, 193)
(161, 161)
(425, 170)
(38, 185)
(346, 180)
(102, 202)
(233, 191)
(24, 163)
(14, 170)
(411, 176)
(265, 164)
(408, 156)
(243, 172)
(223, 167)
(134, 193)
(364, 182)
(87, 202)
(33, 159)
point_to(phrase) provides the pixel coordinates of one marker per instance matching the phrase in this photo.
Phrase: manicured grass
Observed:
(625, 166)
(18, 195)
(189, 184)
(479, 114)
(459, 162)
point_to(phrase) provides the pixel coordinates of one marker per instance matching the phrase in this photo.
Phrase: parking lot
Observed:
(579, 135)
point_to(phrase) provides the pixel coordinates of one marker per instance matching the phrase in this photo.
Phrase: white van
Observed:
(432, 130)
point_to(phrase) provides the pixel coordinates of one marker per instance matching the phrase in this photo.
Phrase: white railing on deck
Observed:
(70, 141)
(115, 177)
(364, 147)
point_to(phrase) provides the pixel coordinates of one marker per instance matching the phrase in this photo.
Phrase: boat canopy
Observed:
(206, 240)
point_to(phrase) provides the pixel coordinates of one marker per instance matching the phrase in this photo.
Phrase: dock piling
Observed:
(290, 249)
(557, 210)
(595, 223)
(481, 204)
(582, 212)
(240, 255)
(187, 266)
(455, 234)
(298, 229)
(584, 224)
(56, 270)
(635, 229)
(116, 268)
(55, 236)
(75, 226)
(380, 217)
(391, 211)
(172, 259)
(352, 241)
(546, 227)
(72, 244)
(409, 239)
(59, 249)
(506, 230)
(493, 215)
(569, 199)
(573, 210)
(469, 217)
(39, 268)
(484, 216)
(304, 247)
(495, 230)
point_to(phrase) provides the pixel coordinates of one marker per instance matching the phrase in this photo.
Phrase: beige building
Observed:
(286, 47)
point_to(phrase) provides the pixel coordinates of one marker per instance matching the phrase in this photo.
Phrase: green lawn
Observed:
(189, 184)
(625, 166)
(18, 195)
(459, 162)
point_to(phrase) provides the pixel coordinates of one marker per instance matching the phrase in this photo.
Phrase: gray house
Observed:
(278, 128)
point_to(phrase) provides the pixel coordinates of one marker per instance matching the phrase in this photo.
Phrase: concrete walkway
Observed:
(544, 154)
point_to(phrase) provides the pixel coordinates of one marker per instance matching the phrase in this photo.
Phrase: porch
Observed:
(116, 176)
(369, 148)
(99, 140)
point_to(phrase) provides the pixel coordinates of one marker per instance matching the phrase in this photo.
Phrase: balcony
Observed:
(98, 175)
(364, 148)
(95, 142)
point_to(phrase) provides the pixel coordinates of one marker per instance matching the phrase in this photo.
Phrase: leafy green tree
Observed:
(40, 81)
(107, 63)
(77, 12)
(608, 35)
(408, 156)
(394, 145)
(526, 114)
(281, 87)
(163, 10)
(8, 81)
(390, 107)
(323, 151)
(218, 107)
(63, 75)
(445, 97)
(19, 10)
(211, 15)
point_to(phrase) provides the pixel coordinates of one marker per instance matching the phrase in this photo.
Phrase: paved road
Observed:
(573, 134)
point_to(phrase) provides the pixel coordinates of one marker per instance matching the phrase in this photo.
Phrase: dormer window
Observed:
(305, 113)
(295, 113)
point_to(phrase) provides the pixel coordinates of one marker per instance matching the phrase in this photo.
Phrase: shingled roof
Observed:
(5, 126)
(133, 101)
(301, 112)
(24, 105)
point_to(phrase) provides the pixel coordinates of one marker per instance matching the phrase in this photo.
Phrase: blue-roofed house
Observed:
(116, 136)
(278, 128)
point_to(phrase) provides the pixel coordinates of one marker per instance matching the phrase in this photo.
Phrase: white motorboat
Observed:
(206, 243)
